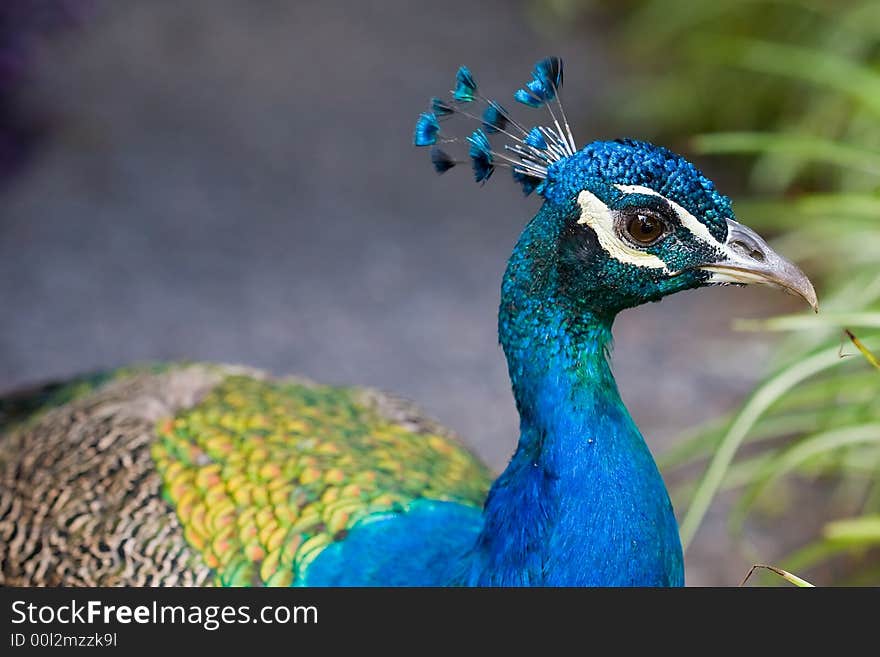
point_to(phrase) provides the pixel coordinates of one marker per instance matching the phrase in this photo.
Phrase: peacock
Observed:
(207, 474)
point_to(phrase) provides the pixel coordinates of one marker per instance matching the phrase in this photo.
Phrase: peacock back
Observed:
(202, 474)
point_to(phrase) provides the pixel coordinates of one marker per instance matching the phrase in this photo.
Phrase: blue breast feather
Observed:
(561, 524)
(423, 546)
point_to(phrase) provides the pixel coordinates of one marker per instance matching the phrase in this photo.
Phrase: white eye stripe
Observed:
(599, 217)
(689, 221)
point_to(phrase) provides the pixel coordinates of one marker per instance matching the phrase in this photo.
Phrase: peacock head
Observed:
(623, 222)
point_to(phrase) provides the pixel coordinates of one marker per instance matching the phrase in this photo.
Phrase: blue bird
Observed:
(196, 474)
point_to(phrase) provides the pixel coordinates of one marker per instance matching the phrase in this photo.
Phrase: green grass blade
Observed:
(784, 574)
(862, 531)
(799, 453)
(835, 205)
(848, 536)
(820, 67)
(757, 405)
(869, 356)
(807, 148)
(770, 427)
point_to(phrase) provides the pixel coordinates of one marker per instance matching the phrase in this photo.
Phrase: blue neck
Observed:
(581, 502)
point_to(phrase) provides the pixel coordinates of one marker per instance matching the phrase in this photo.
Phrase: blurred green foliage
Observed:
(792, 89)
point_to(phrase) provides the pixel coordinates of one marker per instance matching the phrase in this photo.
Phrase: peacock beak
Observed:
(749, 260)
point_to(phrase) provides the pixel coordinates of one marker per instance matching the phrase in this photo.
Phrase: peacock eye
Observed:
(644, 229)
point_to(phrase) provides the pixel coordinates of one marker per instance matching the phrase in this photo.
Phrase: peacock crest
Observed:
(528, 153)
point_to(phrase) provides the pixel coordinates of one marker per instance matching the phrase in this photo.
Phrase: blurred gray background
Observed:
(234, 181)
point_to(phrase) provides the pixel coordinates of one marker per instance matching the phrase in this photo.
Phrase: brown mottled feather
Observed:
(80, 499)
